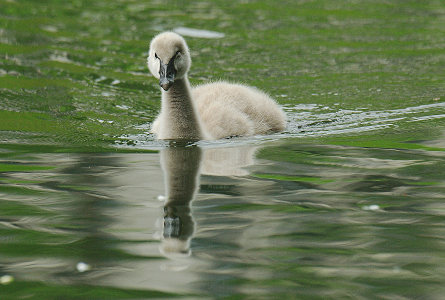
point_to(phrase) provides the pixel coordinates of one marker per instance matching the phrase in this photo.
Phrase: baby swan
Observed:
(210, 111)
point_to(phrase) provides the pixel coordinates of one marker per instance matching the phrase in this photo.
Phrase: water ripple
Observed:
(312, 120)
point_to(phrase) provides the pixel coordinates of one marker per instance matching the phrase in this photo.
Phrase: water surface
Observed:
(347, 203)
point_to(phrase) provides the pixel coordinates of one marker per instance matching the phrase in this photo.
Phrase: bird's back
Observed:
(237, 110)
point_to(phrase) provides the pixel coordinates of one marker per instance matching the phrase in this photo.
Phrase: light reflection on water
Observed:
(283, 219)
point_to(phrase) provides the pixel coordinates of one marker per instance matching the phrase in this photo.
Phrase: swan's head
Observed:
(168, 58)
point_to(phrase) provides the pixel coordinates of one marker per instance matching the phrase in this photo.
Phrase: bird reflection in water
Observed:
(182, 165)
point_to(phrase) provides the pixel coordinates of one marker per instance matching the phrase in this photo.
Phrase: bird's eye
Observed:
(156, 56)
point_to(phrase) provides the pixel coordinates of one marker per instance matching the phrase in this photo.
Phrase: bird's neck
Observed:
(181, 119)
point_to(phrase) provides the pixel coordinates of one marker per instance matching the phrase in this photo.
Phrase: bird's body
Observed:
(210, 111)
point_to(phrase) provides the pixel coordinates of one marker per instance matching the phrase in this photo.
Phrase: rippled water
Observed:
(346, 204)
(280, 220)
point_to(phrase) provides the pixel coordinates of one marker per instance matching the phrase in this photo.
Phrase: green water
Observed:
(348, 203)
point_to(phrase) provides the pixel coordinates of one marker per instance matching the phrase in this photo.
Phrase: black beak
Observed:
(167, 73)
